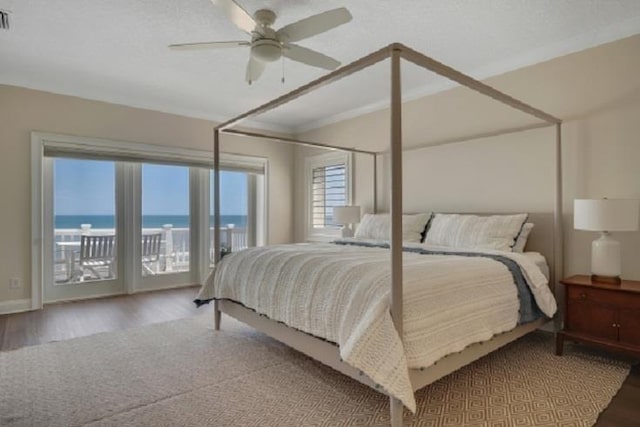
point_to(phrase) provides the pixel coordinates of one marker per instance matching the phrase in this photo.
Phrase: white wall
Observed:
(596, 92)
(23, 111)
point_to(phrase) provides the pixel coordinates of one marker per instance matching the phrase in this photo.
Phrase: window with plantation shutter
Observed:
(328, 186)
(329, 190)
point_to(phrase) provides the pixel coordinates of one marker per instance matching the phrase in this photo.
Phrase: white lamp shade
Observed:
(346, 214)
(606, 214)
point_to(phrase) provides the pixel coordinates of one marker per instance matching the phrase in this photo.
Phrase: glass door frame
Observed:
(141, 283)
(129, 278)
(52, 292)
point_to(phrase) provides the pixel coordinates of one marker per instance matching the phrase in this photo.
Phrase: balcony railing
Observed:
(173, 256)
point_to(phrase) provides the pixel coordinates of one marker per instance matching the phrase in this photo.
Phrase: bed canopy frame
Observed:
(328, 353)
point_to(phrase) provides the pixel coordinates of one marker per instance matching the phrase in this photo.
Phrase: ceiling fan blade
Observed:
(208, 45)
(237, 15)
(309, 57)
(315, 24)
(254, 70)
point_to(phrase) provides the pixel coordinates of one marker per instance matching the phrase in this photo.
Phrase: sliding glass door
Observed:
(112, 217)
(165, 228)
(85, 229)
(116, 227)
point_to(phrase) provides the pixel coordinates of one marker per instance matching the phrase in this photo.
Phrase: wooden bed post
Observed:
(396, 213)
(558, 236)
(216, 217)
(375, 183)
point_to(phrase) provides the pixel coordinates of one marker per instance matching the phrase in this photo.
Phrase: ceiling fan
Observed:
(269, 45)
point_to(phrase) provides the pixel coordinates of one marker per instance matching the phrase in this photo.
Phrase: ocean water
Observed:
(148, 221)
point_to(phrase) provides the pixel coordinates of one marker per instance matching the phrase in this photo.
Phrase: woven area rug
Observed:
(182, 373)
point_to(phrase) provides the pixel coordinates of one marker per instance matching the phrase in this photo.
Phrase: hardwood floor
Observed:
(624, 409)
(62, 321)
(57, 322)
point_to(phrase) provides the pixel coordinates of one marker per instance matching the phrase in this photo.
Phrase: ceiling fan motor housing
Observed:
(265, 17)
(266, 50)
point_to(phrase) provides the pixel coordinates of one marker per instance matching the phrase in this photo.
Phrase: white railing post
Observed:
(211, 254)
(85, 229)
(168, 247)
(229, 238)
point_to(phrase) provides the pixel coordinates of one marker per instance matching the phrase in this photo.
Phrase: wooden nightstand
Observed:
(602, 314)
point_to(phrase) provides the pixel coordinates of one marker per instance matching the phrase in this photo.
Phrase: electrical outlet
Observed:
(15, 283)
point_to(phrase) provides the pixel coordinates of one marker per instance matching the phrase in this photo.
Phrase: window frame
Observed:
(323, 160)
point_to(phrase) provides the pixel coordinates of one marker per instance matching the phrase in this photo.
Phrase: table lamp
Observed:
(605, 216)
(346, 216)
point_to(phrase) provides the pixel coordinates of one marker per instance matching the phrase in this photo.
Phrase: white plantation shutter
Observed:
(329, 189)
(328, 184)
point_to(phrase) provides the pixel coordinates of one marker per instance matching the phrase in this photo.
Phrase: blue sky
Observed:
(87, 187)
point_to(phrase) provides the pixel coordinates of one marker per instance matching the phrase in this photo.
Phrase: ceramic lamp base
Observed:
(347, 231)
(605, 257)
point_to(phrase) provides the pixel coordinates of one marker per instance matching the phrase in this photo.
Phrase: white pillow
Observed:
(521, 242)
(495, 232)
(378, 227)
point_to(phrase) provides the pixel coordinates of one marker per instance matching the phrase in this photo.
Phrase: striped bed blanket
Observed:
(341, 293)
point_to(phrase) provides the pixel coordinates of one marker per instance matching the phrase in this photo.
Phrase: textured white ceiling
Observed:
(116, 50)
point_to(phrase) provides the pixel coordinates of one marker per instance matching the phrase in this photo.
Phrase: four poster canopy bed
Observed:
(394, 313)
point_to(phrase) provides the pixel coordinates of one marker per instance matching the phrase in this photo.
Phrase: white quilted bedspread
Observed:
(342, 294)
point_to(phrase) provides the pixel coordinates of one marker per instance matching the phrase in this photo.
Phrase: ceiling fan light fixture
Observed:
(266, 50)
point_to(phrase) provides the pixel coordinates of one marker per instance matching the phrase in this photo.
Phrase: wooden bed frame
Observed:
(326, 352)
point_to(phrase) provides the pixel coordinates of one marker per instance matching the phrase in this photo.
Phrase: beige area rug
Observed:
(182, 373)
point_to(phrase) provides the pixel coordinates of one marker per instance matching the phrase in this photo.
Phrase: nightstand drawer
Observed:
(601, 296)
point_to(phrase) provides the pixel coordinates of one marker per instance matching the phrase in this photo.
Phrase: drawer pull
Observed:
(613, 325)
(583, 295)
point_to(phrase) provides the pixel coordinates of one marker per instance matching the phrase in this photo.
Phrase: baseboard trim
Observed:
(119, 294)
(162, 288)
(83, 298)
(15, 306)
